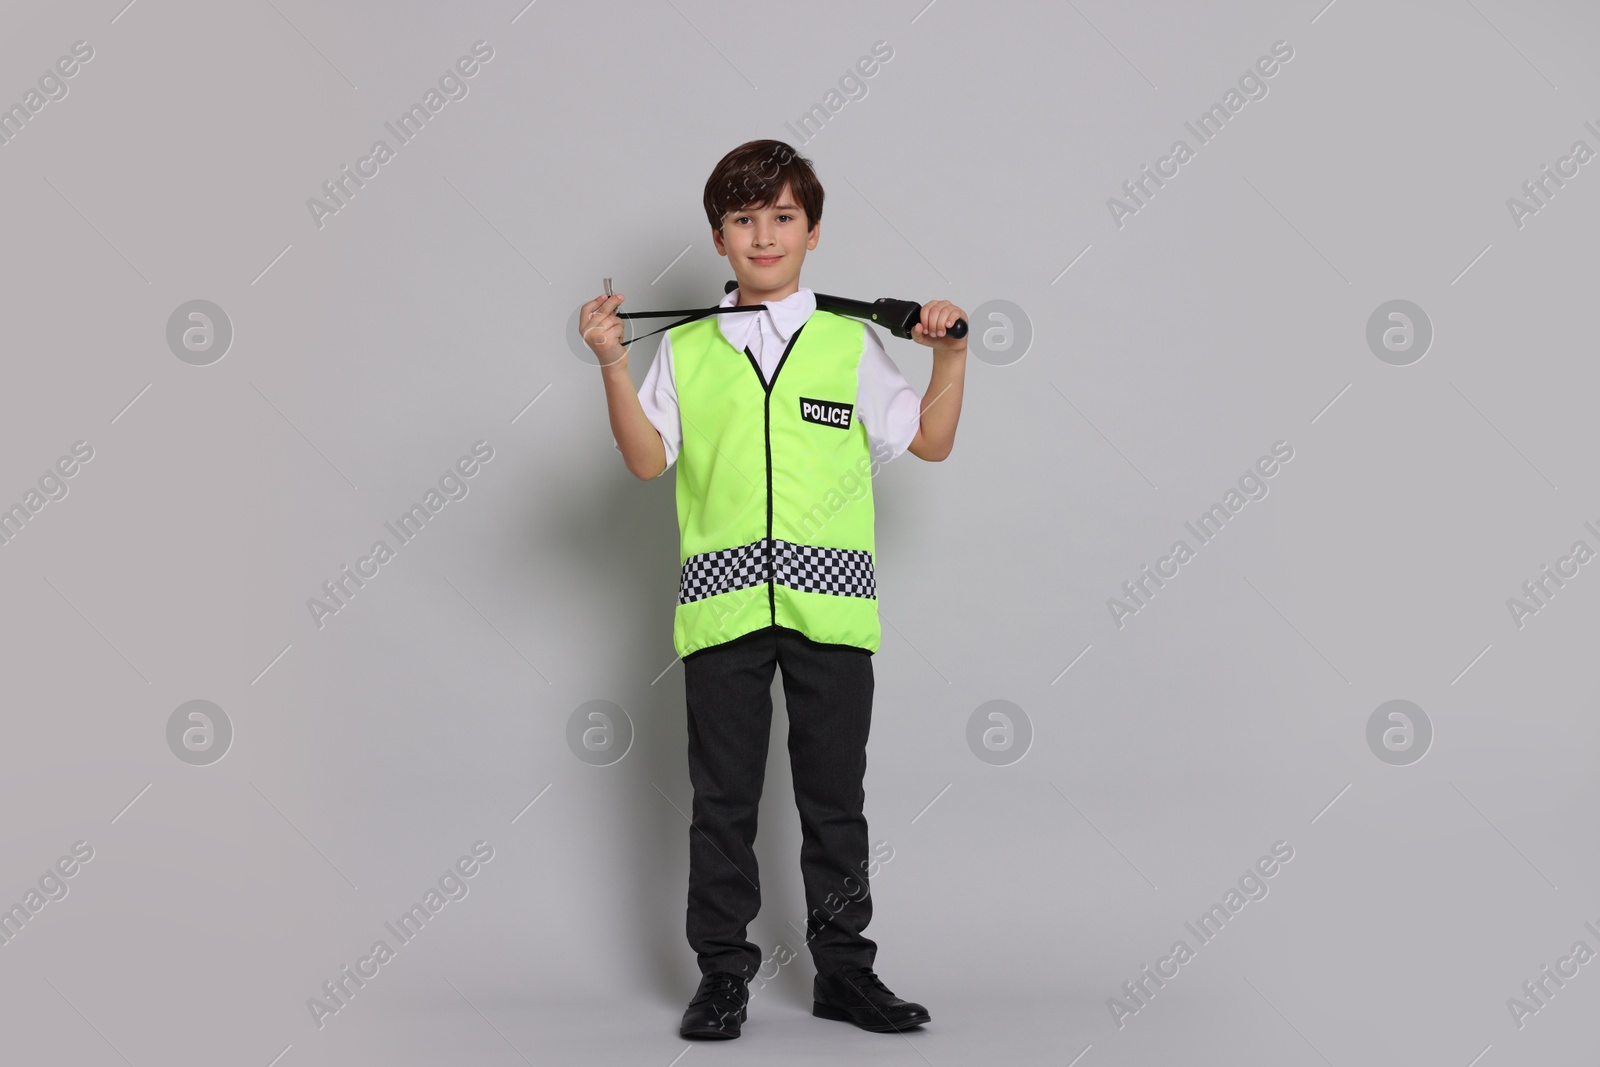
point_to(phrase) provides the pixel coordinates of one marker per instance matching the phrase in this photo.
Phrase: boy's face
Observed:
(767, 245)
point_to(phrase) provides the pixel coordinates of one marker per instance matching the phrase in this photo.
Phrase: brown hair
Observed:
(753, 175)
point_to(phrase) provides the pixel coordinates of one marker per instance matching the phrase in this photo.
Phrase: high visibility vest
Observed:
(774, 489)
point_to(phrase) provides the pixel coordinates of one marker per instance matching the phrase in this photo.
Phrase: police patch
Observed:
(826, 412)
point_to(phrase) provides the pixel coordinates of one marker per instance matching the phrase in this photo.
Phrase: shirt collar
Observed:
(786, 315)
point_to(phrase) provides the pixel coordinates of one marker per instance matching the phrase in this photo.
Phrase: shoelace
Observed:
(720, 984)
(864, 976)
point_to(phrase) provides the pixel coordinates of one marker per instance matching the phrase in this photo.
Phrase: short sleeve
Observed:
(658, 395)
(887, 406)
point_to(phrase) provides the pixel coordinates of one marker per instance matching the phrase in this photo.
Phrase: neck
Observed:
(750, 294)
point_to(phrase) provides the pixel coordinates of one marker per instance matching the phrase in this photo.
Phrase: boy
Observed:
(770, 415)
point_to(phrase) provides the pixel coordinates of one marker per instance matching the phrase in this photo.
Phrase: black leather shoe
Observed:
(856, 995)
(718, 1007)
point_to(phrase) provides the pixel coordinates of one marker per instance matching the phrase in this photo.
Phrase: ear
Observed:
(716, 241)
(816, 232)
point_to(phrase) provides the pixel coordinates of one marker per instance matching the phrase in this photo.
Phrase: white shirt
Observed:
(889, 409)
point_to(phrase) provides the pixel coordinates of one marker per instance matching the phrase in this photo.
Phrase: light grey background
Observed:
(1229, 714)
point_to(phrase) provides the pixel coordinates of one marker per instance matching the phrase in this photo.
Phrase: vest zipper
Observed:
(772, 572)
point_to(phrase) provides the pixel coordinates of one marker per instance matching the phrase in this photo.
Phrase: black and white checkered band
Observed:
(839, 571)
(723, 571)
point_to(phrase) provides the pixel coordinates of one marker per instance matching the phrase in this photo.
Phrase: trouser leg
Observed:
(829, 696)
(728, 691)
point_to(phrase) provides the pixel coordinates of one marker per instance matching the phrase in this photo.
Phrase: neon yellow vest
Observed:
(775, 516)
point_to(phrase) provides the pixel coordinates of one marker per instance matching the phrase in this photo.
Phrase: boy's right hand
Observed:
(602, 330)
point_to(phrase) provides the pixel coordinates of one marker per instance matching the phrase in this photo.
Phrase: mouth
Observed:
(764, 261)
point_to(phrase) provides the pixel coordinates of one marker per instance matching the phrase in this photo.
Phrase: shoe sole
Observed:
(716, 1035)
(828, 1011)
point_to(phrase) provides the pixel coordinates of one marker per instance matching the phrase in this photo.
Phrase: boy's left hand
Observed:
(937, 318)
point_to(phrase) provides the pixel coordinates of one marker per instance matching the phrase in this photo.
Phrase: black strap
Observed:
(693, 315)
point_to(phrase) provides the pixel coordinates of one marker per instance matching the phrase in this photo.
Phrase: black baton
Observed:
(896, 316)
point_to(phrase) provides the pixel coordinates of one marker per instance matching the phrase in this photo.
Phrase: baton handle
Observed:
(896, 316)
